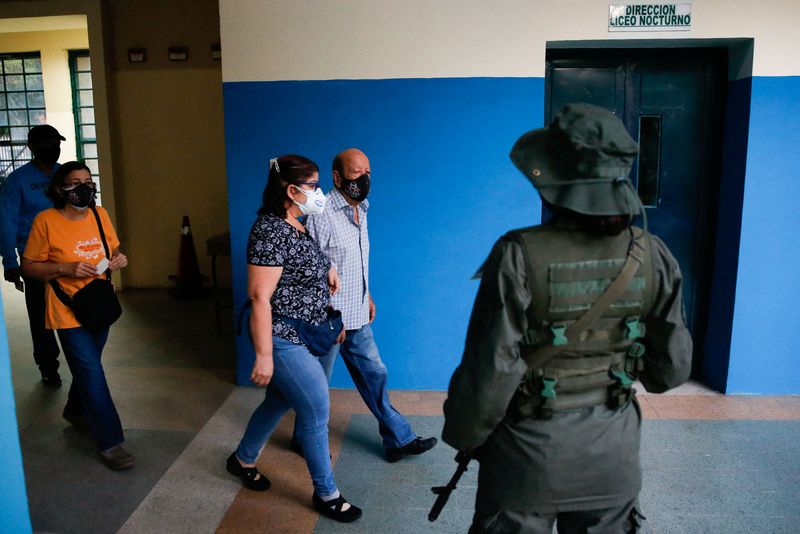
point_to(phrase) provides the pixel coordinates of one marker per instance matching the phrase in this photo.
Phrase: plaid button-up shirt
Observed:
(347, 245)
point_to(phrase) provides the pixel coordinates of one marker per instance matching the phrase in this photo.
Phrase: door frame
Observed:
(726, 233)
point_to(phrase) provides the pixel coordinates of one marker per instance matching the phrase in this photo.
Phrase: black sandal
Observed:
(333, 509)
(247, 475)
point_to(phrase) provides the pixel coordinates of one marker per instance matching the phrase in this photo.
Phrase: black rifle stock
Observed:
(443, 492)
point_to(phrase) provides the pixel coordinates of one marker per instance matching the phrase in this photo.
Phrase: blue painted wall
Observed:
(443, 191)
(14, 501)
(763, 345)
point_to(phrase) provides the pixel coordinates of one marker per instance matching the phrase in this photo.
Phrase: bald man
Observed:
(341, 231)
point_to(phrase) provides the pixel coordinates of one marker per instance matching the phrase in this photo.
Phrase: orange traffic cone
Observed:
(188, 281)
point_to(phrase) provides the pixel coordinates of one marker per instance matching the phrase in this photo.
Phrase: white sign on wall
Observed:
(649, 17)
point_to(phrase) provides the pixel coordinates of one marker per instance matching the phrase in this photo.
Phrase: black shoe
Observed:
(78, 420)
(117, 458)
(418, 446)
(333, 509)
(250, 477)
(51, 379)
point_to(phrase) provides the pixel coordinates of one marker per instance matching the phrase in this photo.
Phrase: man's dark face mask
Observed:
(48, 154)
(357, 189)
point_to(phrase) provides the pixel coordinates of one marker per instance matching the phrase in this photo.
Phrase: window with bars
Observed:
(21, 107)
(80, 67)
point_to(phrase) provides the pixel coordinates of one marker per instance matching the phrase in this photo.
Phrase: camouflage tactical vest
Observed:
(567, 271)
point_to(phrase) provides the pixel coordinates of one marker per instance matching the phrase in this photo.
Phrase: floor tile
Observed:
(699, 476)
(712, 463)
(70, 490)
(396, 497)
(196, 491)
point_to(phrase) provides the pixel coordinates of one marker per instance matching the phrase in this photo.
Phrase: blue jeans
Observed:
(360, 353)
(298, 382)
(89, 394)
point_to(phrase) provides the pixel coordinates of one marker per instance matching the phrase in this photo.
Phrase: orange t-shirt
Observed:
(57, 239)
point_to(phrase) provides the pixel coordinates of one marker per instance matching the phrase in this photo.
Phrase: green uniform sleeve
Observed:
(491, 368)
(668, 356)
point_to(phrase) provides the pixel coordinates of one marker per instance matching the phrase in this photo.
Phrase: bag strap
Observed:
(543, 355)
(526, 255)
(57, 289)
(102, 238)
(61, 294)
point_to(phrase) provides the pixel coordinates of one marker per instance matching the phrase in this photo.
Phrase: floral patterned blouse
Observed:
(302, 291)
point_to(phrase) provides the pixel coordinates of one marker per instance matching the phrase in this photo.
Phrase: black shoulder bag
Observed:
(95, 305)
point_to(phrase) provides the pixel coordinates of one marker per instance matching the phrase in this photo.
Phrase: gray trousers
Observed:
(623, 519)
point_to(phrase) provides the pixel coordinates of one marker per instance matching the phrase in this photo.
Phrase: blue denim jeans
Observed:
(89, 394)
(298, 382)
(360, 353)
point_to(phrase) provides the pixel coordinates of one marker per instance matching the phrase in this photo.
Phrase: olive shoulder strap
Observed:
(537, 358)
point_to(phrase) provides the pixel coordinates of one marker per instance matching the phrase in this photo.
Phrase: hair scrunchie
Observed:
(274, 163)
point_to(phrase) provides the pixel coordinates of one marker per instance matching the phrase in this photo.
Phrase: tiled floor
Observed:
(168, 372)
(712, 463)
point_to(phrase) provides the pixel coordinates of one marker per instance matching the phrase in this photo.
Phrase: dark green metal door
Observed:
(671, 101)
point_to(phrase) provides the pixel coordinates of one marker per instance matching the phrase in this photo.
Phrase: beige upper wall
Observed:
(157, 25)
(171, 163)
(168, 133)
(54, 47)
(355, 39)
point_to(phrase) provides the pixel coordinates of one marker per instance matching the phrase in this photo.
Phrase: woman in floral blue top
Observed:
(289, 276)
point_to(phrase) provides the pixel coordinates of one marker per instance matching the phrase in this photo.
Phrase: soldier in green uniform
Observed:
(569, 314)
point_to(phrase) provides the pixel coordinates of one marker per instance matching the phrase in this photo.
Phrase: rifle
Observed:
(443, 492)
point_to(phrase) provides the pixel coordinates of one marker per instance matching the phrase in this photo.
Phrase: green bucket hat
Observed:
(581, 162)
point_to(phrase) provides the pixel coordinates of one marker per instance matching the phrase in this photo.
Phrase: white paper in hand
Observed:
(102, 266)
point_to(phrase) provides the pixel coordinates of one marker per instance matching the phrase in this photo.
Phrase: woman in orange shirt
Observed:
(65, 245)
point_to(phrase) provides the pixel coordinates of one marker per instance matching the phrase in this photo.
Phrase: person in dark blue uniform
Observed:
(22, 197)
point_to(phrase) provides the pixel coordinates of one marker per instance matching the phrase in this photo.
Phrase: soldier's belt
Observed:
(580, 399)
(610, 388)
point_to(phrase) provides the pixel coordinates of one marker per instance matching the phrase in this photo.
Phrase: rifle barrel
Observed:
(438, 506)
(443, 492)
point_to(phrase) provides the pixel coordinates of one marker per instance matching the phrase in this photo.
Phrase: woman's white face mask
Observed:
(315, 201)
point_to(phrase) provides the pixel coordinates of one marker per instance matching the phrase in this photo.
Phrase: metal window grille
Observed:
(21, 106)
(80, 66)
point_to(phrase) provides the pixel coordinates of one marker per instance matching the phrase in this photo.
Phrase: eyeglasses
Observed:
(315, 184)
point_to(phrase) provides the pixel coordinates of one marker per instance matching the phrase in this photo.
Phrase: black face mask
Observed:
(357, 189)
(81, 196)
(47, 154)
